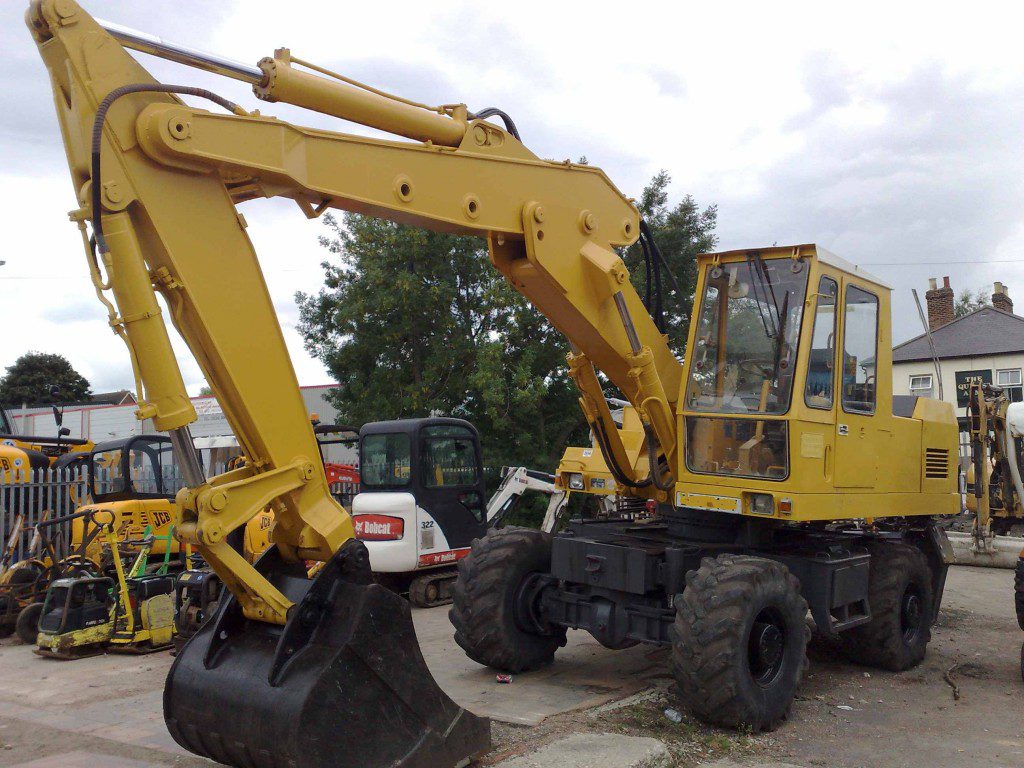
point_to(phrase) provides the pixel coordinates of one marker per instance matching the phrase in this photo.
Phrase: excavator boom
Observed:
(268, 680)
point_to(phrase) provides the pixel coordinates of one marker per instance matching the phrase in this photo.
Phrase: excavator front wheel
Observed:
(494, 623)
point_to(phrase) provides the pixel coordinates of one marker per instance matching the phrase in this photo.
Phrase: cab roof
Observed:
(823, 255)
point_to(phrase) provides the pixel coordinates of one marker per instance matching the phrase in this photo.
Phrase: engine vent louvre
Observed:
(936, 463)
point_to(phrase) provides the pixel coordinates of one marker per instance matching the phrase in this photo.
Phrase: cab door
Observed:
(857, 446)
(450, 484)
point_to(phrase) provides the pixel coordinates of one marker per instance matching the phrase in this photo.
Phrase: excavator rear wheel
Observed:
(486, 610)
(901, 600)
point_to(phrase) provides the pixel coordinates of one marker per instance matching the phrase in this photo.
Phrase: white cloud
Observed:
(887, 131)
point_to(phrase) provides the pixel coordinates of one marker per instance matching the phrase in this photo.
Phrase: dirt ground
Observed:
(105, 711)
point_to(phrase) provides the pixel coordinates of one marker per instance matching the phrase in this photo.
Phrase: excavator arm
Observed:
(158, 180)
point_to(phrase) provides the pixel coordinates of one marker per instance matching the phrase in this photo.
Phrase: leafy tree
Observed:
(205, 390)
(32, 377)
(969, 301)
(412, 322)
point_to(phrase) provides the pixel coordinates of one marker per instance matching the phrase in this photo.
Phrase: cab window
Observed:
(860, 348)
(818, 392)
(449, 457)
(385, 461)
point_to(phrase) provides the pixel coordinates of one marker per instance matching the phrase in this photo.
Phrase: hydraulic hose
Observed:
(652, 458)
(617, 472)
(97, 137)
(483, 114)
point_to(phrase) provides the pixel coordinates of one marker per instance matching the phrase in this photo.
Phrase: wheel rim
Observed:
(431, 592)
(911, 614)
(526, 605)
(766, 647)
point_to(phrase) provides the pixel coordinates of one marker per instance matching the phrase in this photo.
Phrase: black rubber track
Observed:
(881, 643)
(484, 601)
(28, 623)
(714, 620)
(442, 579)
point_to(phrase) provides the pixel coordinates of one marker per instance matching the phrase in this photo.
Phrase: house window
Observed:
(1010, 381)
(921, 385)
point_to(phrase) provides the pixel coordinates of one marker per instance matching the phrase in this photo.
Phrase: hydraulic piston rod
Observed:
(157, 46)
(275, 79)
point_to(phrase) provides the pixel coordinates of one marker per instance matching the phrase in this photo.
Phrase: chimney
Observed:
(940, 303)
(1001, 299)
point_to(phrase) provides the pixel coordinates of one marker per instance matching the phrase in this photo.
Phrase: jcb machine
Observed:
(132, 481)
(785, 474)
(20, 455)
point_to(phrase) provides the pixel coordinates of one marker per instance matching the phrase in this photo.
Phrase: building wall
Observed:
(111, 422)
(901, 373)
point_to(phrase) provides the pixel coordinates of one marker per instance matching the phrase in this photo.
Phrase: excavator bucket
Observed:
(342, 684)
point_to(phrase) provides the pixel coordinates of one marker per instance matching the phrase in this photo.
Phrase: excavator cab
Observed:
(421, 502)
(788, 404)
(436, 464)
(134, 480)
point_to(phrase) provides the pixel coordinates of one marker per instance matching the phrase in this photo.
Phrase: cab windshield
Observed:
(142, 467)
(747, 334)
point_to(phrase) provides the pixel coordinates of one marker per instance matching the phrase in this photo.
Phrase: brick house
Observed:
(984, 345)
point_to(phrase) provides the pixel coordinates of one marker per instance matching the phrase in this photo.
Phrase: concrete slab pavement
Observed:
(118, 698)
(594, 750)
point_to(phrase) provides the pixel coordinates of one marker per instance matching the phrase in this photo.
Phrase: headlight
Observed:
(762, 504)
(576, 481)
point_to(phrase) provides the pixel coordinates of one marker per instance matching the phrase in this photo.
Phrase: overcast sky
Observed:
(890, 133)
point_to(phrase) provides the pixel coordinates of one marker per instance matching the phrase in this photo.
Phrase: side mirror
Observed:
(58, 416)
(64, 431)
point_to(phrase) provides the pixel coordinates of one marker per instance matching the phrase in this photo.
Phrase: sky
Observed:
(889, 133)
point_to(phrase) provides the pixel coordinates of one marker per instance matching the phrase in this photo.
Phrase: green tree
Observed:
(681, 231)
(411, 322)
(32, 377)
(969, 301)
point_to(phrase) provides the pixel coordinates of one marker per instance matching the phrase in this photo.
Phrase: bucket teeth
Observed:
(342, 684)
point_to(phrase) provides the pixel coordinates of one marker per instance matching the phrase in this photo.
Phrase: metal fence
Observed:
(48, 493)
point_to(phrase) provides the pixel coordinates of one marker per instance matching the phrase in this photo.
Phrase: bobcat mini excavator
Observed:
(754, 455)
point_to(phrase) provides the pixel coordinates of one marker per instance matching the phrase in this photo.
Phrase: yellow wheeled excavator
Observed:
(783, 473)
(995, 491)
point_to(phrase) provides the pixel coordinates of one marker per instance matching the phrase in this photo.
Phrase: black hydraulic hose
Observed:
(97, 137)
(645, 232)
(617, 472)
(652, 459)
(483, 114)
(647, 273)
